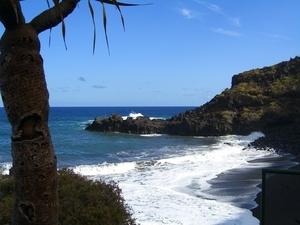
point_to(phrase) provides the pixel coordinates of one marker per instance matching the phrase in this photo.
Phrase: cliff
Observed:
(259, 99)
(266, 99)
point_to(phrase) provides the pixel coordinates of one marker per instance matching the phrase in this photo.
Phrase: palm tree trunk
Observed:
(25, 97)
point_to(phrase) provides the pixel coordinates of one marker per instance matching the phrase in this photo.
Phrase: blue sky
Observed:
(173, 53)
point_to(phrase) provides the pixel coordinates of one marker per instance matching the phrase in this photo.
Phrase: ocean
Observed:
(165, 179)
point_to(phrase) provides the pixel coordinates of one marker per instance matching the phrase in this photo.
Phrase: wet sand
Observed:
(242, 186)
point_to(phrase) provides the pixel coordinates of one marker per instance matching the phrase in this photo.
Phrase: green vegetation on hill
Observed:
(81, 201)
(266, 100)
(257, 100)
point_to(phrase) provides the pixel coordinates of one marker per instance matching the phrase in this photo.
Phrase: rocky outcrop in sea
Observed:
(266, 99)
(139, 125)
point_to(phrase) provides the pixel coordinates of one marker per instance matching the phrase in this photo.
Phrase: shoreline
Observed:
(271, 140)
(282, 141)
(241, 185)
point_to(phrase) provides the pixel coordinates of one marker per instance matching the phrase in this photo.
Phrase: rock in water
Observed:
(258, 100)
(115, 123)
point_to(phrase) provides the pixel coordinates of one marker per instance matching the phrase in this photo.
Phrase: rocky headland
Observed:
(266, 99)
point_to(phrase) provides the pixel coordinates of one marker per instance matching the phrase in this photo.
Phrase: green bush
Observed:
(248, 115)
(227, 115)
(81, 201)
(249, 88)
(286, 85)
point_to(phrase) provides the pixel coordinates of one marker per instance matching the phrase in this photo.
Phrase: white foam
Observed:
(85, 123)
(150, 135)
(104, 169)
(4, 168)
(133, 115)
(157, 190)
(157, 118)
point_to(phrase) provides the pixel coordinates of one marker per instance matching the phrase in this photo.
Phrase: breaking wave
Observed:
(172, 190)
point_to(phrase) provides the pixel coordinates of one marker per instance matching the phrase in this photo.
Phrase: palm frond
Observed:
(94, 24)
(63, 30)
(105, 27)
(118, 5)
(50, 33)
(63, 25)
(120, 12)
(114, 2)
(62, 8)
(50, 30)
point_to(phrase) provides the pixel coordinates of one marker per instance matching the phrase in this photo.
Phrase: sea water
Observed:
(164, 179)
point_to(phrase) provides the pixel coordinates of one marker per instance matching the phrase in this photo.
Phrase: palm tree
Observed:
(25, 98)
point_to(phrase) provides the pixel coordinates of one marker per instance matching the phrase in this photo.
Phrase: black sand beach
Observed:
(287, 202)
(238, 184)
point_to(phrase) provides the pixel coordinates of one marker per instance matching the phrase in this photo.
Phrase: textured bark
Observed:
(25, 98)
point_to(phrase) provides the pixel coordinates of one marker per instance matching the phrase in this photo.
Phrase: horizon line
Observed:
(117, 106)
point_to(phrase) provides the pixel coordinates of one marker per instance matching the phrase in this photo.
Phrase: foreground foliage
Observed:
(26, 103)
(81, 201)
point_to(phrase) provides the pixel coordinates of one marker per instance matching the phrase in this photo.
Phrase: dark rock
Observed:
(266, 99)
(258, 99)
(115, 123)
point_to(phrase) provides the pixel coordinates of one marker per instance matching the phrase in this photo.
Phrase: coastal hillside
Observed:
(266, 99)
(259, 99)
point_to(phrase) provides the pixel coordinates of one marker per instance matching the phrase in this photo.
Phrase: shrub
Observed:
(286, 85)
(249, 88)
(6, 199)
(227, 115)
(248, 115)
(81, 201)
